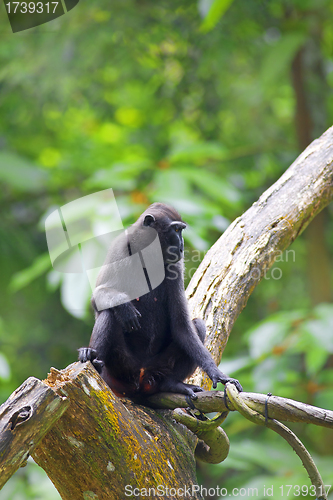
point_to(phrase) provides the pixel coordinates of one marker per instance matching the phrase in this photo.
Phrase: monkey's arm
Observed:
(106, 297)
(187, 338)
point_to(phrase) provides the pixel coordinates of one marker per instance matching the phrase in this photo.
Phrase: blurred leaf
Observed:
(218, 188)
(21, 279)
(118, 176)
(275, 460)
(216, 11)
(321, 329)
(267, 335)
(169, 186)
(221, 223)
(4, 368)
(315, 358)
(53, 280)
(75, 294)
(20, 174)
(195, 240)
(324, 398)
(233, 365)
(279, 57)
(264, 375)
(197, 152)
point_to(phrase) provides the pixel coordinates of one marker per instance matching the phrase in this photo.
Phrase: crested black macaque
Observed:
(149, 344)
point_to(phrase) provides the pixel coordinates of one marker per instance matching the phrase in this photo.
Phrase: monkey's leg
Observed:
(200, 327)
(183, 366)
(170, 384)
(98, 341)
(89, 354)
(107, 346)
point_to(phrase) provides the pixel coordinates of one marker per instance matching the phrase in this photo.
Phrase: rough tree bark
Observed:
(102, 443)
(25, 418)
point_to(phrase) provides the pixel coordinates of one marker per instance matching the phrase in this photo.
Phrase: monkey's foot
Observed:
(235, 382)
(171, 385)
(89, 354)
(195, 388)
(218, 376)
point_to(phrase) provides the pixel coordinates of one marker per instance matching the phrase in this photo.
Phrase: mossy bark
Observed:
(103, 444)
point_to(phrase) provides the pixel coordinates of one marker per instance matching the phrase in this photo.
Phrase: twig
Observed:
(286, 433)
(280, 408)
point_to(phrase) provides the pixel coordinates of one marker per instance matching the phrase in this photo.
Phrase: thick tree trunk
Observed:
(234, 266)
(104, 447)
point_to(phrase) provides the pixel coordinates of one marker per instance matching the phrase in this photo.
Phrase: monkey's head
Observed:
(169, 226)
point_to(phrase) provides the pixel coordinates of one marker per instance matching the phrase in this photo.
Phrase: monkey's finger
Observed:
(138, 313)
(238, 386)
(86, 354)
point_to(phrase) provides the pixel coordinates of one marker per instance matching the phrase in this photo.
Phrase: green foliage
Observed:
(31, 483)
(214, 14)
(23, 278)
(266, 472)
(20, 174)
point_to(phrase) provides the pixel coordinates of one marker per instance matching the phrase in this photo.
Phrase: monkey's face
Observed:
(172, 242)
(163, 219)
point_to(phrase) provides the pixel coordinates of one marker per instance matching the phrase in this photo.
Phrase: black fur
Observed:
(150, 344)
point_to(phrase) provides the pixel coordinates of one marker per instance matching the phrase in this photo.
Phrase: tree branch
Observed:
(286, 433)
(25, 418)
(279, 408)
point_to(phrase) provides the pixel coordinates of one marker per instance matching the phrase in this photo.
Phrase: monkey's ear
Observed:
(149, 219)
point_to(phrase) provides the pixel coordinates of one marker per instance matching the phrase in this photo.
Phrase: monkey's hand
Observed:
(128, 316)
(89, 354)
(218, 376)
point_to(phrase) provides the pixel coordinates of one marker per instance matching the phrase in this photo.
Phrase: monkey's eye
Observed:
(177, 229)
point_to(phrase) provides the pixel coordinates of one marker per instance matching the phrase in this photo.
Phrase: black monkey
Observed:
(149, 344)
